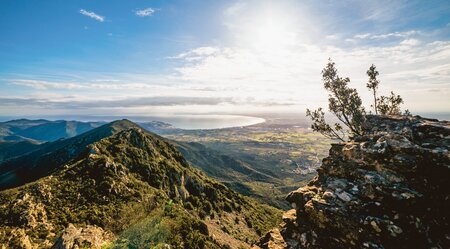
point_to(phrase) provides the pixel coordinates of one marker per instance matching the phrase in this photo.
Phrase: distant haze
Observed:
(178, 121)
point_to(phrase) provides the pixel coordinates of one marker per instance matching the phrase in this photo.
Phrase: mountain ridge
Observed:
(47, 157)
(130, 179)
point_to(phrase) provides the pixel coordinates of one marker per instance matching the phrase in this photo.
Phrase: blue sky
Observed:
(164, 57)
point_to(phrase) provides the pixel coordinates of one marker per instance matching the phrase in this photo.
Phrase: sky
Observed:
(161, 57)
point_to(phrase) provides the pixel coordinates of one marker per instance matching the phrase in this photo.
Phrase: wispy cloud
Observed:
(78, 102)
(92, 15)
(404, 34)
(197, 53)
(110, 84)
(145, 12)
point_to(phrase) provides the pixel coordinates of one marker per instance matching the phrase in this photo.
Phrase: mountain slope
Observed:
(43, 130)
(10, 149)
(52, 155)
(234, 173)
(132, 189)
(386, 189)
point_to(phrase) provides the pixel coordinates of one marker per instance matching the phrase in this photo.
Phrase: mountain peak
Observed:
(122, 124)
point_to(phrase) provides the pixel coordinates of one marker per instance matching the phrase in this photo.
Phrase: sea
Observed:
(184, 121)
(193, 121)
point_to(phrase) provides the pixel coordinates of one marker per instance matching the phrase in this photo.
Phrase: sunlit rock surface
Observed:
(87, 237)
(386, 189)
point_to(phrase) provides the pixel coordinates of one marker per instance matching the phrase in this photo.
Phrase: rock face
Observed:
(387, 189)
(88, 237)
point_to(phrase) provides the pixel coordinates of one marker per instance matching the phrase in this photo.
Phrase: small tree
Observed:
(373, 84)
(385, 105)
(343, 101)
(390, 105)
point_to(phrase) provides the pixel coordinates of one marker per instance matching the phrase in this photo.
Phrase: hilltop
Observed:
(386, 189)
(50, 156)
(129, 188)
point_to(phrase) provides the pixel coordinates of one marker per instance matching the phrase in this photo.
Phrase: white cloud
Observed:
(145, 12)
(271, 59)
(196, 54)
(409, 67)
(410, 42)
(362, 36)
(404, 34)
(92, 15)
(109, 84)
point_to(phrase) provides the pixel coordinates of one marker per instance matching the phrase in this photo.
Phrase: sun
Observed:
(272, 35)
(267, 29)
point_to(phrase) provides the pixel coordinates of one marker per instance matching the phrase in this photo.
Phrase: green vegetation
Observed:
(346, 105)
(11, 149)
(138, 187)
(390, 105)
(372, 85)
(264, 161)
(385, 105)
(51, 156)
(160, 229)
(343, 101)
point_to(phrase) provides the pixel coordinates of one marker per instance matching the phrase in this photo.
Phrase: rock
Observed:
(394, 230)
(290, 215)
(273, 240)
(344, 196)
(87, 237)
(375, 226)
(328, 195)
(386, 189)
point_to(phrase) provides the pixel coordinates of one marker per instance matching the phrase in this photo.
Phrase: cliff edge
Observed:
(387, 189)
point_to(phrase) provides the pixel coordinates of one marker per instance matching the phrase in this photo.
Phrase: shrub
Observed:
(343, 101)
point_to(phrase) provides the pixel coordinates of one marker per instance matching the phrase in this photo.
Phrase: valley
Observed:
(127, 188)
(66, 179)
(265, 161)
(279, 155)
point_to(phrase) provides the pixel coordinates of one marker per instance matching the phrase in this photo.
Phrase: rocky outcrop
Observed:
(88, 237)
(386, 189)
